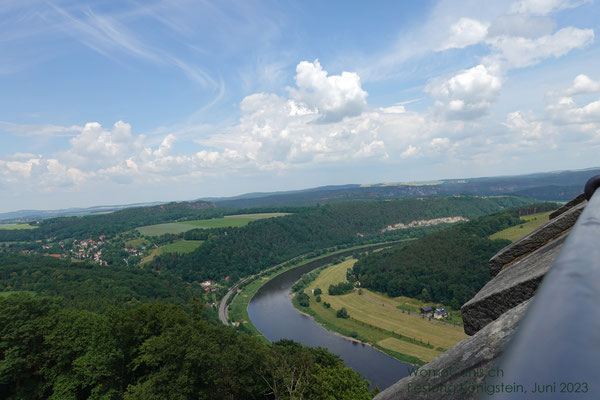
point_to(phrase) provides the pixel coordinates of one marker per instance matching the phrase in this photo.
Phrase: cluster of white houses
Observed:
(437, 313)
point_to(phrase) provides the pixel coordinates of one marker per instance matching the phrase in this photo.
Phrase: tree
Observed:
(289, 368)
(303, 299)
(23, 320)
(331, 383)
(425, 296)
(317, 291)
(342, 313)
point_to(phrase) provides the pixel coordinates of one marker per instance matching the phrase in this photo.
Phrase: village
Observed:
(102, 251)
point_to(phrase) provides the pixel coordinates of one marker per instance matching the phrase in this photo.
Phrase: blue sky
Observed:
(111, 102)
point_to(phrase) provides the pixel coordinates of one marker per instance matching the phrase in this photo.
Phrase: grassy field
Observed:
(153, 253)
(16, 226)
(376, 319)
(136, 242)
(180, 246)
(226, 222)
(238, 312)
(516, 232)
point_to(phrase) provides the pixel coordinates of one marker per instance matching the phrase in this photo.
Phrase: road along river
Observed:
(272, 313)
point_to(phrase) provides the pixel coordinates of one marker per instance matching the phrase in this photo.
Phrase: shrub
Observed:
(342, 313)
(340, 288)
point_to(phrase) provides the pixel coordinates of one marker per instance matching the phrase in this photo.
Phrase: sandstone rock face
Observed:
(568, 206)
(510, 287)
(454, 374)
(536, 239)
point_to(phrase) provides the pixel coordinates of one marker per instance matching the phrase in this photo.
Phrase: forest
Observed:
(448, 266)
(243, 251)
(80, 331)
(89, 286)
(156, 351)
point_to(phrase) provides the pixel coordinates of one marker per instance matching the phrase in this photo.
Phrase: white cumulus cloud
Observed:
(524, 124)
(410, 151)
(567, 111)
(583, 84)
(467, 95)
(465, 32)
(333, 97)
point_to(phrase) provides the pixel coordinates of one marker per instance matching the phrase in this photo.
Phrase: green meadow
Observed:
(226, 222)
(16, 226)
(180, 246)
(513, 233)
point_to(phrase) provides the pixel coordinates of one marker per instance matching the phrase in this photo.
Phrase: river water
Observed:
(272, 313)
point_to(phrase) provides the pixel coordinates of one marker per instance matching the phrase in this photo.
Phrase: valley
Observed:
(291, 200)
(191, 256)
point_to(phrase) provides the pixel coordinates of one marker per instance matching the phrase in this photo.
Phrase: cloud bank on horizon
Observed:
(163, 102)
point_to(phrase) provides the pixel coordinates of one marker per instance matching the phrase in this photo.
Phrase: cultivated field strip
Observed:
(373, 314)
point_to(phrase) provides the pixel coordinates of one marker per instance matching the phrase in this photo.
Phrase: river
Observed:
(272, 313)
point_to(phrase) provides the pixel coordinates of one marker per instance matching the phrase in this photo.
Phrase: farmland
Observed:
(16, 226)
(226, 222)
(386, 323)
(180, 246)
(516, 232)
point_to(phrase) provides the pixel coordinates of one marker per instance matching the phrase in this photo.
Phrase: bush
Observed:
(340, 288)
(318, 299)
(317, 292)
(342, 313)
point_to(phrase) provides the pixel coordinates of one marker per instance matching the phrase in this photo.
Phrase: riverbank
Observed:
(323, 323)
(238, 308)
(390, 328)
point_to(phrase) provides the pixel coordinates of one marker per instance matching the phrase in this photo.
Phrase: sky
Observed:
(117, 102)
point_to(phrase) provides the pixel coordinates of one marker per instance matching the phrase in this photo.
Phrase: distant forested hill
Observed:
(448, 266)
(243, 251)
(547, 186)
(113, 223)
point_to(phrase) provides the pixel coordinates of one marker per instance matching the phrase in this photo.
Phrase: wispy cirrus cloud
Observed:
(106, 35)
(39, 130)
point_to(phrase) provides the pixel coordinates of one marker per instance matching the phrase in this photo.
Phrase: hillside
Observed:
(448, 267)
(238, 252)
(547, 186)
(113, 223)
